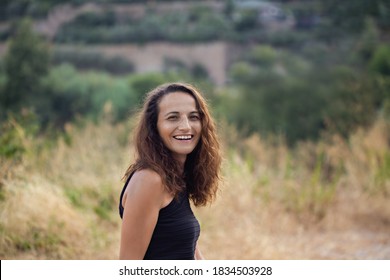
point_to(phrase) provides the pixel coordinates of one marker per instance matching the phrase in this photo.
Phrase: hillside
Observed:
(210, 51)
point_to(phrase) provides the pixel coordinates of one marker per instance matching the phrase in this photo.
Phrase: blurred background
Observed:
(300, 91)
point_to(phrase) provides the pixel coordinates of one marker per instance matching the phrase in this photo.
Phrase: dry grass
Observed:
(319, 201)
(327, 200)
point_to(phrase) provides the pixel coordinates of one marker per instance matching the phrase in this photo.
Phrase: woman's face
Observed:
(179, 124)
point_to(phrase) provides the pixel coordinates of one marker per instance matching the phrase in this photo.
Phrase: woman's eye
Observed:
(172, 118)
(194, 117)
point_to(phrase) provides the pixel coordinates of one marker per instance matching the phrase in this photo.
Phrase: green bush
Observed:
(11, 141)
(380, 62)
(300, 96)
(198, 24)
(71, 94)
(143, 83)
(25, 64)
(16, 131)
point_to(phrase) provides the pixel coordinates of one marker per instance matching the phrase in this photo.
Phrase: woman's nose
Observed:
(184, 124)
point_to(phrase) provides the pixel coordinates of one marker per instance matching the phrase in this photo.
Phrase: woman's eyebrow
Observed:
(172, 113)
(178, 113)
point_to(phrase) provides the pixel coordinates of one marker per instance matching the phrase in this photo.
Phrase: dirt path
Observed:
(345, 245)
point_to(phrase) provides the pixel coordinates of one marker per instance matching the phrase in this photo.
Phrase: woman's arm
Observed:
(145, 196)
(198, 253)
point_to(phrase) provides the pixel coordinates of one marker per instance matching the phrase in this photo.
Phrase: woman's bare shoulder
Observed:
(145, 185)
(147, 177)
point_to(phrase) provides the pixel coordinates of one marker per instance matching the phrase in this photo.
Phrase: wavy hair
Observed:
(202, 167)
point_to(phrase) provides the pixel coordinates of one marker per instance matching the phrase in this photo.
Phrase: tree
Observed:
(379, 67)
(25, 63)
(351, 14)
(278, 95)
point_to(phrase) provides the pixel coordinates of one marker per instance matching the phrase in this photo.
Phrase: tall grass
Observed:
(319, 200)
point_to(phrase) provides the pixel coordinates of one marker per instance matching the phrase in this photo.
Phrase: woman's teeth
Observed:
(183, 137)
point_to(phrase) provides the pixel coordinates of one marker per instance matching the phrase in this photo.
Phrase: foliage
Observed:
(21, 8)
(196, 23)
(350, 15)
(66, 95)
(353, 101)
(11, 9)
(369, 40)
(71, 94)
(199, 24)
(306, 13)
(11, 140)
(379, 68)
(302, 96)
(277, 95)
(143, 83)
(16, 134)
(25, 63)
(380, 62)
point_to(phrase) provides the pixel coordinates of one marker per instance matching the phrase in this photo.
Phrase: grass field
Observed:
(328, 200)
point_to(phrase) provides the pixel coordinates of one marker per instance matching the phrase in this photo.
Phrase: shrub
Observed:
(380, 62)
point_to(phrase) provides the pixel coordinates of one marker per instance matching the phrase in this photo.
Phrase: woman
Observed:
(178, 160)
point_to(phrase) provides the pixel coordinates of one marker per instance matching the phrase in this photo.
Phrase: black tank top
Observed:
(176, 232)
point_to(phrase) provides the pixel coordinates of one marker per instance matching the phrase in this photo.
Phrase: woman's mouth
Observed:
(183, 137)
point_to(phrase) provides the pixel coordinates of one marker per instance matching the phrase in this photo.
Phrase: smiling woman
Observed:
(178, 160)
(179, 124)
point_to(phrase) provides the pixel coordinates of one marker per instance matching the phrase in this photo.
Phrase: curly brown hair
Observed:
(202, 166)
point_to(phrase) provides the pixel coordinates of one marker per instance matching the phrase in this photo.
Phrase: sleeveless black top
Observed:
(176, 232)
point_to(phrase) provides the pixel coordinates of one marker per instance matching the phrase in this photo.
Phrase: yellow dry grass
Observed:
(327, 200)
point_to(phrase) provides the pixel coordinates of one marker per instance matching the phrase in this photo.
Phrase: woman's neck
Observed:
(181, 163)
